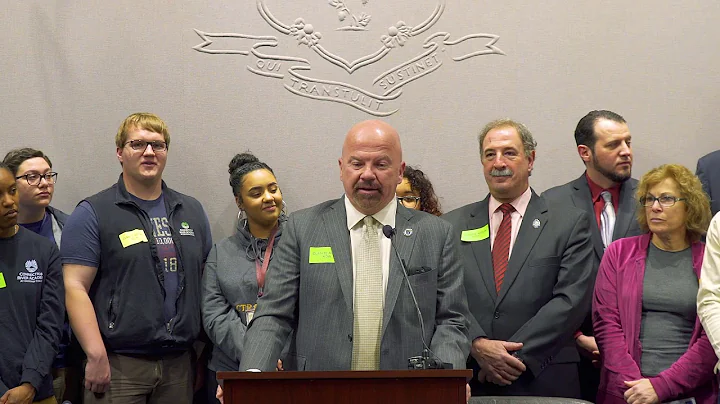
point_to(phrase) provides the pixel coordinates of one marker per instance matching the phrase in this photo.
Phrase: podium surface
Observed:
(346, 387)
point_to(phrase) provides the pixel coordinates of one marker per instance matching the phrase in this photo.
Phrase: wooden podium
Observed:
(357, 387)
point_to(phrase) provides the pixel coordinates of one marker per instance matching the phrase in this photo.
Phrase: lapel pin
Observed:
(407, 232)
(536, 223)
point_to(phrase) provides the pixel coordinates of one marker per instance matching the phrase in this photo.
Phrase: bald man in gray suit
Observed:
(312, 284)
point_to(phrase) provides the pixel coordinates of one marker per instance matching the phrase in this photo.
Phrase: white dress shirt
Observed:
(386, 216)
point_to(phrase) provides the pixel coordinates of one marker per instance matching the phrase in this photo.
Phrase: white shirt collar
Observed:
(520, 203)
(386, 216)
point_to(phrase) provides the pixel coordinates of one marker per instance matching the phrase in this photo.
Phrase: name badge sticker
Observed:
(248, 309)
(475, 234)
(133, 237)
(249, 315)
(3, 285)
(321, 255)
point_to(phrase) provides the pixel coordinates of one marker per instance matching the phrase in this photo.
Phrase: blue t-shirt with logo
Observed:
(165, 249)
(84, 247)
(44, 228)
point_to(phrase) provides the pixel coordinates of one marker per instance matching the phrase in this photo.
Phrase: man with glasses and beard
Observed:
(529, 271)
(606, 192)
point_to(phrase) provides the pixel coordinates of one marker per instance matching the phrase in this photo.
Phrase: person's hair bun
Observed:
(240, 160)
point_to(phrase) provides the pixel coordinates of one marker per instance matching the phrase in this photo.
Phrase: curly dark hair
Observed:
(420, 183)
(240, 166)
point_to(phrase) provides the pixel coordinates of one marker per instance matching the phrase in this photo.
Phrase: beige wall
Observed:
(71, 71)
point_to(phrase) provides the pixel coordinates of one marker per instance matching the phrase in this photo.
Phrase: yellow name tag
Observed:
(321, 255)
(133, 237)
(2, 281)
(475, 234)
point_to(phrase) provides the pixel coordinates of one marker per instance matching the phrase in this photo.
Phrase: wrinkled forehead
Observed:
(502, 137)
(666, 185)
(372, 144)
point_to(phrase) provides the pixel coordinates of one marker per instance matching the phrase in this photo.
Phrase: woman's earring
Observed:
(283, 211)
(240, 215)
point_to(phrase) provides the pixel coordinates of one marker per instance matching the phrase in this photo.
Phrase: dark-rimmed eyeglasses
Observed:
(409, 201)
(141, 145)
(665, 201)
(34, 178)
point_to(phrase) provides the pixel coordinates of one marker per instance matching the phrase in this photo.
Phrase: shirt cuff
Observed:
(33, 377)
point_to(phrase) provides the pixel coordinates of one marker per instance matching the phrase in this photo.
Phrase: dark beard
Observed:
(611, 175)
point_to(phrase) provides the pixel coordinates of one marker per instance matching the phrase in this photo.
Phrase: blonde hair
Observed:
(141, 120)
(697, 203)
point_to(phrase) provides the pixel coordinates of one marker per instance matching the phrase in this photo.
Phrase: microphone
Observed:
(389, 232)
(425, 361)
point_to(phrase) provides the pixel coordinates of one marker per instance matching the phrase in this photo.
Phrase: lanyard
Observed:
(261, 269)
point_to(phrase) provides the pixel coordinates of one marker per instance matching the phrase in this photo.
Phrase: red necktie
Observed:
(501, 246)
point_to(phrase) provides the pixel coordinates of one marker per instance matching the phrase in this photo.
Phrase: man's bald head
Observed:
(371, 165)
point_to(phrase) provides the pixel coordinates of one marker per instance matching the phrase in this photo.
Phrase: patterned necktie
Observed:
(607, 219)
(368, 306)
(501, 245)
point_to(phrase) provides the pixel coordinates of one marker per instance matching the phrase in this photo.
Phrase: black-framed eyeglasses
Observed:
(34, 178)
(141, 145)
(665, 201)
(409, 201)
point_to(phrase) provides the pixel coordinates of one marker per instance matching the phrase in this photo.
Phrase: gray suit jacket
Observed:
(316, 300)
(708, 170)
(577, 193)
(548, 284)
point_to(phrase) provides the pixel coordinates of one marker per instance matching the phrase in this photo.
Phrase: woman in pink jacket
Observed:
(652, 345)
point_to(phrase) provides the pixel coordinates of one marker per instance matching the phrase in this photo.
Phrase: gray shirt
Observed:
(230, 293)
(668, 308)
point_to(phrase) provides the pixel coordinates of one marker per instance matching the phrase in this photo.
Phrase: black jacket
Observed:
(32, 308)
(128, 291)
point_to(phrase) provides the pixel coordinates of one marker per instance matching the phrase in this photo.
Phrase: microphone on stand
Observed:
(425, 361)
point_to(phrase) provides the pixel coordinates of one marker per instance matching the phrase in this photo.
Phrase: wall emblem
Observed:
(378, 97)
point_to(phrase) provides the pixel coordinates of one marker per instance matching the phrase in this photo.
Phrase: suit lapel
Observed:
(582, 199)
(625, 210)
(525, 241)
(481, 249)
(404, 245)
(335, 222)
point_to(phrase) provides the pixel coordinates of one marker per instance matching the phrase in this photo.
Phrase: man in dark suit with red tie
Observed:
(607, 193)
(529, 272)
